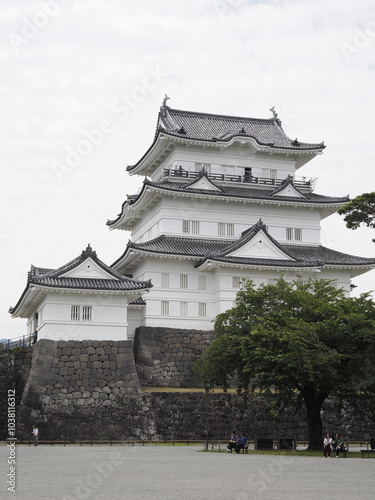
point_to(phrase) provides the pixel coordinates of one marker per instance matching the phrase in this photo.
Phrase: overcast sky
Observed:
(83, 80)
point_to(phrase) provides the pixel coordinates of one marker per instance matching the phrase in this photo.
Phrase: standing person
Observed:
(327, 445)
(233, 440)
(339, 444)
(35, 433)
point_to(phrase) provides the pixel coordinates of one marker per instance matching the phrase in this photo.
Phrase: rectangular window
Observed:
(186, 226)
(86, 313)
(225, 229)
(202, 309)
(75, 313)
(165, 280)
(183, 308)
(298, 234)
(202, 283)
(236, 281)
(183, 281)
(164, 308)
(293, 234)
(190, 226)
(194, 227)
(269, 173)
(273, 173)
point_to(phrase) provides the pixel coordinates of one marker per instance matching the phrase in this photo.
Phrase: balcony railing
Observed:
(181, 173)
(24, 341)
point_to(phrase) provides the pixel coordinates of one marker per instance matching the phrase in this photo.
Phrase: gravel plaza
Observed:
(179, 473)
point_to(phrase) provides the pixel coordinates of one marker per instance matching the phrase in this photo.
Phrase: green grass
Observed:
(296, 453)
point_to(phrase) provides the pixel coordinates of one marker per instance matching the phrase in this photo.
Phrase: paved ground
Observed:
(180, 473)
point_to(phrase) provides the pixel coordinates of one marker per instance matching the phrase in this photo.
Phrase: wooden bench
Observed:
(367, 452)
(342, 452)
(263, 444)
(286, 444)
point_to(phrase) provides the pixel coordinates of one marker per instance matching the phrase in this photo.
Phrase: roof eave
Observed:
(211, 264)
(355, 269)
(329, 207)
(29, 301)
(153, 157)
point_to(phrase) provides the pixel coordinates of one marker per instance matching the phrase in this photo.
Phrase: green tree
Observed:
(360, 210)
(296, 344)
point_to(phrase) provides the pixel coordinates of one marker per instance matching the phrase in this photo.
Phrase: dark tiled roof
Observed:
(212, 127)
(232, 191)
(193, 125)
(242, 192)
(261, 262)
(327, 256)
(53, 278)
(181, 246)
(302, 256)
(89, 283)
(138, 302)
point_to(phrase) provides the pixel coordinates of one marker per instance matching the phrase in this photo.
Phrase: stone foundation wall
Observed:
(164, 356)
(80, 389)
(15, 367)
(92, 389)
(198, 415)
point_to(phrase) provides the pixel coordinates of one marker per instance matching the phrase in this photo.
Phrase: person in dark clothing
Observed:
(340, 445)
(242, 443)
(233, 440)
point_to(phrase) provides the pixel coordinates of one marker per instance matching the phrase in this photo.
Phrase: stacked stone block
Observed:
(15, 367)
(84, 389)
(165, 356)
(91, 390)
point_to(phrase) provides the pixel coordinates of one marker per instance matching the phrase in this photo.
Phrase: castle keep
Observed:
(221, 202)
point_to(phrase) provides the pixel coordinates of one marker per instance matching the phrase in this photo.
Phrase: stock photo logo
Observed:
(362, 38)
(32, 26)
(122, 106)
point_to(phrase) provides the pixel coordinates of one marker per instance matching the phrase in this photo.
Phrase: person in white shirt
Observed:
(35, 434)
(327, 445)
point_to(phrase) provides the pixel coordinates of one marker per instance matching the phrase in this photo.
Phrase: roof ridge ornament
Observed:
(260, 224)
(288, 180)
(164, 104)
(273, 111)
(88, 252)
(276, 116)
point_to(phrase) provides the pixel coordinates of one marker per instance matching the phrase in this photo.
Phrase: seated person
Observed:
(233, 440)
(340, 445)
(242, 443)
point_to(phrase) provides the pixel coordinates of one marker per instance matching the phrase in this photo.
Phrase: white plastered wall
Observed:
(108, 317)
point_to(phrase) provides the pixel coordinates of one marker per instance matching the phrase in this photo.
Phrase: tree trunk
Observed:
(314, 422)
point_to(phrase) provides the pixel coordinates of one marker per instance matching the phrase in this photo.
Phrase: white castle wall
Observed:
(108, 320)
